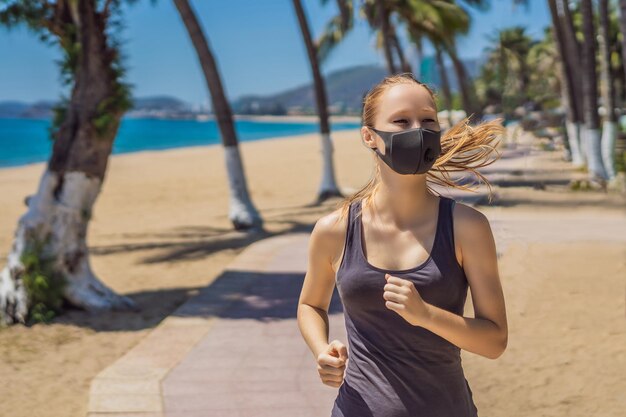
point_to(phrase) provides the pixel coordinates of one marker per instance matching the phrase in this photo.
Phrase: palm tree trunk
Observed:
(383, 16)
(609, 125)
(572, 122)
(445, 84)
(466, 87)
(622, 28)
(242, 213)
(59, 212)
(404, 64)
(590, 95)
(328, 187)
(574, 59)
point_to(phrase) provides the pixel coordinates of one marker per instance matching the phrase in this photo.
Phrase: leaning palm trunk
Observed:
(466, 87)
(404, 64)
(590, 96)
(568, 96)
(242, 212)
(328, 187)
(622, 28)
(609, 125)
(445, 85)
(574, 58)
(383, 16)
(54, 228)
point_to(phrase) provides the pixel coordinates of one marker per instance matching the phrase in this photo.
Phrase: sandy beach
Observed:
(160, 231)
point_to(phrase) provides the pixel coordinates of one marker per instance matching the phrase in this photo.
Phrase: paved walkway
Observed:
(236, 350)
(233, 350)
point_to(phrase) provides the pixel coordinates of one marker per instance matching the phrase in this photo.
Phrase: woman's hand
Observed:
(332, 362)
(403, 298)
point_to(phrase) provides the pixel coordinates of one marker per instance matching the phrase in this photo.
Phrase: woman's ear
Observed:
(368, 138)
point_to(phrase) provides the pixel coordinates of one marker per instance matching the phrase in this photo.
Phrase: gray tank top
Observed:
(395, 369)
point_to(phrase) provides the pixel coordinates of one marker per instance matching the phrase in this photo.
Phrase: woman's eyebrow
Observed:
(428, 110)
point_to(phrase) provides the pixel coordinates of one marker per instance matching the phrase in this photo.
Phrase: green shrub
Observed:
(620, 161)
(43, 283)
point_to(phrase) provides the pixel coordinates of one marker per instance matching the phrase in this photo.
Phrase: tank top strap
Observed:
(445, 240)
(351, 242)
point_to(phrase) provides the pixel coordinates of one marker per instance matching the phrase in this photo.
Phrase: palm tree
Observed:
(468, 90)
(544, 86)
(445, 84)
(242, 213)
(382, 16)
(336, 29)
(404, 64)
(417, 37)
(622, 27)
(508, 59)
(440, 22)
(49, 259)
(328, 186)
(570, 86)
(574, 57)
(597, 172)
(379, 16)
(609, 125)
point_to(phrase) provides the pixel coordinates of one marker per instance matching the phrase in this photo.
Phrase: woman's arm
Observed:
(487, 333)
(318, 284)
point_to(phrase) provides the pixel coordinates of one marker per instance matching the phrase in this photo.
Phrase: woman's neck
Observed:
(406, 206)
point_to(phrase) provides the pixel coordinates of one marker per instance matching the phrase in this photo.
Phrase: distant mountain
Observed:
(160, 107)
(159, 103)
(345, 88)
(153, 106)
(17, 109)
(12, 108)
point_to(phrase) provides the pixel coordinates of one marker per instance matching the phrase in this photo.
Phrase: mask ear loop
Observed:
(375, 150)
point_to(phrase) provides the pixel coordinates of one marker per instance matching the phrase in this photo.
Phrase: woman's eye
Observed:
(406, 121)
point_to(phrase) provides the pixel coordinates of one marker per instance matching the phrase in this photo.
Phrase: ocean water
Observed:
(24, 141)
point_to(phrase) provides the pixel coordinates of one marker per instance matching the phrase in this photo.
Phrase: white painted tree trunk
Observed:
(574, 134)
(69, 227)
(609, 136)
(329, 183)
(64, 219)
(584, 143)
(242, 212)
(594, 154)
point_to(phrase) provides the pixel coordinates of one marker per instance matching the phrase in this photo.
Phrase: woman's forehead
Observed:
(411, 97)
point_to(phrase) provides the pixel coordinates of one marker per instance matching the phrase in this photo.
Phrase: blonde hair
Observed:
(462, 145)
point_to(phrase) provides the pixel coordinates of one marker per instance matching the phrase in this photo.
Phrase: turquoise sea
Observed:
(24, 141)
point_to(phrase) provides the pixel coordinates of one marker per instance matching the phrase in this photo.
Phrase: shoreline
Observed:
(299, 118)
(170, 148)
(261, 118)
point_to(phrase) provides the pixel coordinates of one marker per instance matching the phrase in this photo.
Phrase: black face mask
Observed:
(411, 151)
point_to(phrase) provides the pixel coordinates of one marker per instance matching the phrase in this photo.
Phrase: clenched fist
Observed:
(331, 363)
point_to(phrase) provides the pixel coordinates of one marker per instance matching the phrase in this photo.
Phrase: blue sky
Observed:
(257, 44)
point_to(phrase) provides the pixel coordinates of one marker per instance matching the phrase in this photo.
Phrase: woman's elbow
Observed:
(501, 347)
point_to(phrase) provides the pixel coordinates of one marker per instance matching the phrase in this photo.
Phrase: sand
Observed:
(160, 231)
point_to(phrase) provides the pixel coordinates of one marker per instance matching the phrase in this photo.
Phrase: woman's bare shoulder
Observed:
(331, 227)
(470, 223)
(330, 231)
(471, 229)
